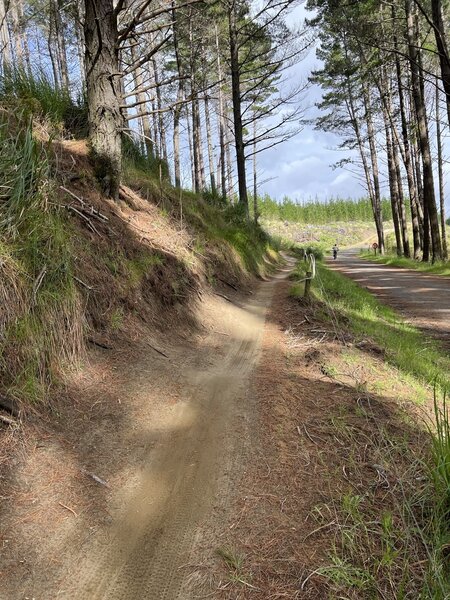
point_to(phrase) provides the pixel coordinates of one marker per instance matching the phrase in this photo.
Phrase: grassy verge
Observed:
(439, 268)
(391, 543)
(404, 346)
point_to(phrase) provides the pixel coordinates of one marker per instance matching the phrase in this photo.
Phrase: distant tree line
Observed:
(320, 212)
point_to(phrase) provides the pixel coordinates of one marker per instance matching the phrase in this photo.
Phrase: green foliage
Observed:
(36, 95)
(371, 547)
(321, 212)
(134, 156)
(44, 325)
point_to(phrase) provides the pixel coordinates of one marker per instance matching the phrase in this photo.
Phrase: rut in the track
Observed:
(142, 553)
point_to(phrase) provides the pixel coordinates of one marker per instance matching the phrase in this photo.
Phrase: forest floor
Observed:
(214, 471)
(422, 298)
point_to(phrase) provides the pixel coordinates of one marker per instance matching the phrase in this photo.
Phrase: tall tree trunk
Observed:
(212, 176)
(161, 125)
(419, 103)
(5, 44)
(180, 97)
(255, 177)
(441, 175)
(18, 32)
(229, 164)
(401, 200)
(79, 33)
(409, 167)
(351, 109)
(376, 203)
(237, 112)
(142, 109)
(191, 147)
(201, 162)
(103, 93)
(441, 43)
(51, 54)
(221, 118)
(393, 185)
(55, 14)
(415, 156)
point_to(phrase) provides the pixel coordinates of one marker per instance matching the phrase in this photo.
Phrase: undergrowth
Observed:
(214, 226)
(36, 96)
(347, 304)
(42, 322)
(391, 540)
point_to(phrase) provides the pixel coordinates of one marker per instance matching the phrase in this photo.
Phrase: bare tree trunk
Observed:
(52, 55)
(376, 203)
(393, 186)
(17, 31)
(5, 43)
(141, 97)
(229, 167)
(103, 93)
(441, 175)
(413, 196)
(55, 14)
(212, 176)
(401, 200)
(180, 96)
(441, 43)
(80, 42)
(199, 147)
(415, 156)
(237, 113)
(221, 118)
(161, 125)
(351, 109)
(255, 178)
(191, 147)
(419, 103)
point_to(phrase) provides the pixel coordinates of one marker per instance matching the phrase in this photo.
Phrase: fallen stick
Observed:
(224, 297)
(68, 508)
(99, 344)
(91, 210)
(7, 420)
(88, 287)
(96, 478)
(228, 283)
(158, 351)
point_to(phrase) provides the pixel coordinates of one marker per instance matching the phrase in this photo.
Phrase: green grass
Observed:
(404, 549)
(35, 95)
(352, 307)
(438, 268)
(214, 225)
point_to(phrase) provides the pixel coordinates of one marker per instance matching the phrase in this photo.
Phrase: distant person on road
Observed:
(335, 251)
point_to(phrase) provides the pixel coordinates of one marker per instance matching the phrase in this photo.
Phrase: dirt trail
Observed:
(424, 299)
(190, 448)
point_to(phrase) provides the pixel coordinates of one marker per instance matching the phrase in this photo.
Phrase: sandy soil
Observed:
(167, 462)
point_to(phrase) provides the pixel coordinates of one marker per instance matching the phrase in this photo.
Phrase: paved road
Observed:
(423, 299)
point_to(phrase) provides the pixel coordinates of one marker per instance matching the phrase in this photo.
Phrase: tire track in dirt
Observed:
(141, 553)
